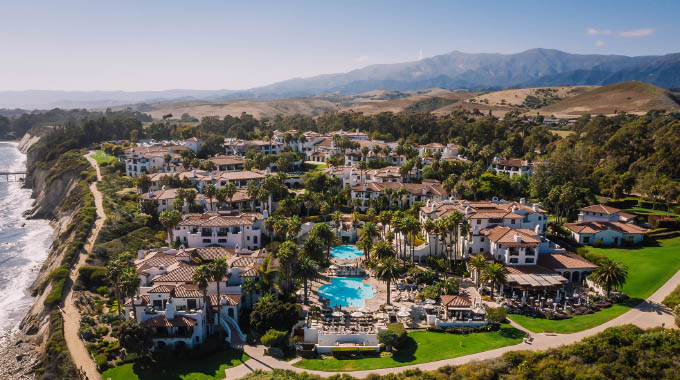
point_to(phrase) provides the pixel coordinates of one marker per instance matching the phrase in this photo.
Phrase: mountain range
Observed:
(455, 70)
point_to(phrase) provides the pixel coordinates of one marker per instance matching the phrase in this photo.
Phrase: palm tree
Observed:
(170, 219)
(478, 264)
(287, 256)
(610, 274)
(218, 269)
(336, 217)
(253, 190)
(210, 191)
(369, 233)
(495, 274)
(267, 274)
(387, 270)
(129, 283)
(324, 233)
(114, 269)
(221, 196)
(294, 225)
(230, 190)
(307, 270)
(249, 286)
(429, 227)
(382, 250)
(178, 204)
(201, 278)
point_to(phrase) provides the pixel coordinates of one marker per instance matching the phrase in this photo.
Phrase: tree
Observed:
(218, 270)
(210, 191)
(129, 284)
(306, 270)
(313, 248)
(275, 338)
(324, 233)
(230, 190)
(494, 274)
(610, 274)
(170, 219)
(221, 196)
(252, 190)
(201, 277)
(114, 270)
(134, 337)
(496, 314)
(143, 183)
(273, 315)
(178, 204)
(368, 234)
(287, 255)
(387, 270)
(478, 263)
(389, 338)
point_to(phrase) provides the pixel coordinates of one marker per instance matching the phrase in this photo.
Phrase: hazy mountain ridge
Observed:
(455, 70)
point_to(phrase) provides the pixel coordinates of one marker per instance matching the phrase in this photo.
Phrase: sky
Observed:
(159, 45)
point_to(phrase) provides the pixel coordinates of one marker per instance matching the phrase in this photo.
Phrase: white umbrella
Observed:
(365, 310)
(357, 314)
(428, 307)
(338, 314)
(381, 316)
(333, 267)
(430, 302)
(403, 314)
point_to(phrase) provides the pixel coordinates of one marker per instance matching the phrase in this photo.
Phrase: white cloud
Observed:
(599, 43)
(594, 32)
(638, 33)
(361, 59)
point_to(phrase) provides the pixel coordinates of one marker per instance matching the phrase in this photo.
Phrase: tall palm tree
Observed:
(478, 263)
(129, 284)
(382, 250)
(294, 225)
(178, 204)
(221, 196)
(230, 189)
(114, 270)
(307, 270)
(494, 274)
(252, 190)
(210, 191)
(268, 274)
(287, 255)
(249, 286)
(324, 233)
(369, 233)
(219, 270)
(336, 217)
(610, 274)
(387, 270)
(429, 226)
(170, 219)
(201, 278)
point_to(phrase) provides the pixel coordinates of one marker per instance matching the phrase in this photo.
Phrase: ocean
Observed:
(24, 244)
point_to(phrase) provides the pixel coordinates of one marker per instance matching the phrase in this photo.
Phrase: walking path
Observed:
(70, 312)
(650, 313)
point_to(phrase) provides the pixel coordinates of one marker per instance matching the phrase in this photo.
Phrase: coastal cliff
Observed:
(59, 188)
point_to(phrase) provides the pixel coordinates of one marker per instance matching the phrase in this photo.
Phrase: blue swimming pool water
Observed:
(347, 292)
(346, 252)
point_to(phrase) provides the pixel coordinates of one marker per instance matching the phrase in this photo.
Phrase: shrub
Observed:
(389, 338)
(496, 314)
(273, 315)
(673, 300)
(103, 290)
(599, 244)
(108, 317)
(275, 338)
(400, 331)
(102, 362)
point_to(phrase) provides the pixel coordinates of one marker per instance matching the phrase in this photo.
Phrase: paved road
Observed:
(70, 313)
(650, 313)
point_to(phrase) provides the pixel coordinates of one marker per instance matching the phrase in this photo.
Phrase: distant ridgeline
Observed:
(15, 123)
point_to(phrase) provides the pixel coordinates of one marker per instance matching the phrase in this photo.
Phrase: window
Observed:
(207, 241)
(513, 260)
(481, 238)
(221, 240)
(191, 304)
(481, 249)
(255, 239)
(512, 221)
(157, 304)
(529, 260)
(586, 239)
(500, 246)
(479, 221)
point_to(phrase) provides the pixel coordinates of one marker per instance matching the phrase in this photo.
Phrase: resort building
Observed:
(366, 192)
(609, 233)
(241, 147)
(602, 213)
(193, 144)
(141, 159)
(513, 166)
(203, 230)
(446, 151)
(225, 163)
(200, 178)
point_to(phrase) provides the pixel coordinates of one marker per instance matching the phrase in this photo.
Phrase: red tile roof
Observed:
(595, 227)
(456, 301)
(601, 209)
(564, 261)
(162, 321)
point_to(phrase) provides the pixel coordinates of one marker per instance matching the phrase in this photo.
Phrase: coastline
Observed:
(32, 238)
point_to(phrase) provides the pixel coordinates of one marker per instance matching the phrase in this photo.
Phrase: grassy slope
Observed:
(649, 267)
(632, 97)
(425, 347)
(102, 157)
(210, 368)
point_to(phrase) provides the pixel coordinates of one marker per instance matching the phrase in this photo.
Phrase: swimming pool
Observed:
(346, 252)
(347, 292)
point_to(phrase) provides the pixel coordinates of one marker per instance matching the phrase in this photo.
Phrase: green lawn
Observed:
(208, 368)
(649, 267)
(424, 347)
(102, 157)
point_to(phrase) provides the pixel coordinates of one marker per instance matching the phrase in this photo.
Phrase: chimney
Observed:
(538, 229)
(424, 190)
(475, 229)
(535, 207)
(170, 149)
(515, 208)
(468, 210)
(212, 176)
(518, 238)
(357, 131)
(522, 201)
(170, 309)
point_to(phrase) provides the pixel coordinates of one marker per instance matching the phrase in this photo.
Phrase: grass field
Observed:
(102, 157)
(561, 133)
(212, 367)
(649, 267)
(424, 347)
(649, 211)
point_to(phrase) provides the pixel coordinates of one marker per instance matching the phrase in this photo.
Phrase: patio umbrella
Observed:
(357, 314)
(338, 314)
(428, 307)
(430, 302)
(381, 316)
(333, 267)
(365, 310)
(403, 313)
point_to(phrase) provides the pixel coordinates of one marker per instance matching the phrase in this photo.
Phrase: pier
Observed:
(12, 176)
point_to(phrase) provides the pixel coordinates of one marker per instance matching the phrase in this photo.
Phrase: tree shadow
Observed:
(175, 368)
(407, 352)
(511, 332)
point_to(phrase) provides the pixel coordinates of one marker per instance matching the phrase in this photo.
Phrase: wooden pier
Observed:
(12, 176)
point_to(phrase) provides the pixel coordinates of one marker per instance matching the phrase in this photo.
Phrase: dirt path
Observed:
(650, 313)
(70, 313)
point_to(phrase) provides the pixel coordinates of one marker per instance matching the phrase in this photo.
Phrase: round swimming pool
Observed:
(346, 252)
(347, 292)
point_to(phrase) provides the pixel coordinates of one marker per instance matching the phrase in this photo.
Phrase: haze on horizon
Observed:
(159, 45)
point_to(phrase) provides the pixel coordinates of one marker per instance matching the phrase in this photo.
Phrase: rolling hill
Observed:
(631, 97)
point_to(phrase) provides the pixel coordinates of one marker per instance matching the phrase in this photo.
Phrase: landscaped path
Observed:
(649, 313)
(70, 312)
